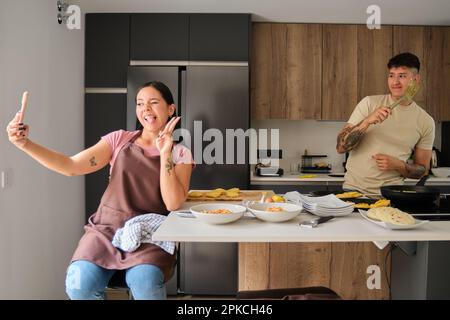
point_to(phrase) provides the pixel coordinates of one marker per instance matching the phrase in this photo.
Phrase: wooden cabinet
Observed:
(432, 46)
(268, 71)
(437, 60)
(106, 50)
(103, 114)
(339, 83)
(411, 39)
(340, 266)
(307, 71)
(219, 37)
(374, 51)
(159, 36)
(304, 71)
(286, 71)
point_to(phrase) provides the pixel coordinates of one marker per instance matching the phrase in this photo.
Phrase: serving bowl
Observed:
(441, 172)
(263, 211)
(202, 212)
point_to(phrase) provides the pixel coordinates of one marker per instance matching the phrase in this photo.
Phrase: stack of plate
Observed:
(325, 206)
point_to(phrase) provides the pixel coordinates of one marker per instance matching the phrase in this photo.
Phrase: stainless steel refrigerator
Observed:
(218, 96)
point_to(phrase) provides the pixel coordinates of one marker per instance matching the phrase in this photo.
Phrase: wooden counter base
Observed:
(340, 266)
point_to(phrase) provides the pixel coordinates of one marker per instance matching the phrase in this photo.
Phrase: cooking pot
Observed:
(411, 195)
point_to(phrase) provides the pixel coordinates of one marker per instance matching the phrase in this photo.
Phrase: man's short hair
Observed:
(405, 59)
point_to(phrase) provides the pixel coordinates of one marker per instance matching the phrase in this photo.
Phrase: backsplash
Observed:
(318, 137)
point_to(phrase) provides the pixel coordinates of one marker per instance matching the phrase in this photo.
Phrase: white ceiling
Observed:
(406, 12)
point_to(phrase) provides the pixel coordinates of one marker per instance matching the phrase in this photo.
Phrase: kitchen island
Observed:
(337, 254)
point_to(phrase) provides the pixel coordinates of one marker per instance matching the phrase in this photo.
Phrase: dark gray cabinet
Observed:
(219, 37)
(189, 37)
(103, 114)
(159, 36)
(106, 50)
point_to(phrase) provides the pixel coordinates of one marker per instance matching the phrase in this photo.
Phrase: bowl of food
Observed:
(275, 212)
(441, 172)
(218, 213)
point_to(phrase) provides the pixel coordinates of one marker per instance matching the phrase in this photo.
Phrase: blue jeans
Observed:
(87, 281)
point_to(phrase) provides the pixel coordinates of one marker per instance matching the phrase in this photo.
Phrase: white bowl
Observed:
(289, 212)
(237, 212)
(441, 172)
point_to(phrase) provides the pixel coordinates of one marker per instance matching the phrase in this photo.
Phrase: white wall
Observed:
(41, 212)
(318, 137)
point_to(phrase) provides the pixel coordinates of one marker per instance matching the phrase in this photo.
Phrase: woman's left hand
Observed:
(164, 141)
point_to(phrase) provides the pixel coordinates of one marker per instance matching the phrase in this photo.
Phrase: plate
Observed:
(390, 225)
(237, 212)
(289, 212)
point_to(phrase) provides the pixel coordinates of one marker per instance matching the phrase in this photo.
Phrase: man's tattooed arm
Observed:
(350, 136)
(413, 171)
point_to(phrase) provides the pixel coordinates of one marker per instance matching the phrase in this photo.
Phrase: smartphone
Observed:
(24, 106)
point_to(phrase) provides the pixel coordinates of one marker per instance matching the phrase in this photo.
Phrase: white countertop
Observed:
(352, 228)
(325, 179)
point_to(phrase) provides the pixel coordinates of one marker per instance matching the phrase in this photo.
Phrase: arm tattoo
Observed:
(92, 162)
(349, 137)
(414, 171)
(169, 165)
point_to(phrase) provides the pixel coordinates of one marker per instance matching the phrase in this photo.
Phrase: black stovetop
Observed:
(435, 211)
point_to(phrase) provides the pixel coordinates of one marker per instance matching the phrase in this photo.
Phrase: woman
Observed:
(148, 174)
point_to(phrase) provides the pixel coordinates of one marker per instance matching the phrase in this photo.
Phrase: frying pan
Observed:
(408, 195)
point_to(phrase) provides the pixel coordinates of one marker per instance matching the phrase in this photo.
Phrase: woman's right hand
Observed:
(17, 132)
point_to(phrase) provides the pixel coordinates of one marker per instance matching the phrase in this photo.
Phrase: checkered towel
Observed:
(140, 230)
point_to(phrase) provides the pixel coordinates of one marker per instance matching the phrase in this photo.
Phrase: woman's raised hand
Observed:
(164, 141)
(17, 132)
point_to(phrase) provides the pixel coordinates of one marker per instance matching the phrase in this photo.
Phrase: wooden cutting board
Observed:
(249, 195)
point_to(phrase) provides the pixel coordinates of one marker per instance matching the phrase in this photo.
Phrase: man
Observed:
(381, 140)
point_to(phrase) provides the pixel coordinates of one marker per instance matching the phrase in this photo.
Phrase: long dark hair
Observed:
(163, 90)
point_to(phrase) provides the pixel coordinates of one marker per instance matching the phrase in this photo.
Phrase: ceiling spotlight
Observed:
(62, 18)
(61, 6)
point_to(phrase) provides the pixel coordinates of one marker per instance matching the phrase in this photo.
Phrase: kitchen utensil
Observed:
(184, 214)
(410, 92)
(314, 222)
(401, 195)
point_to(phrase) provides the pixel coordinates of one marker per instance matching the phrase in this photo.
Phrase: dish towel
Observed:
(140, 230)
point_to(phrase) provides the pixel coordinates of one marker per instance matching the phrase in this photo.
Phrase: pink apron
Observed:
(133, 189)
